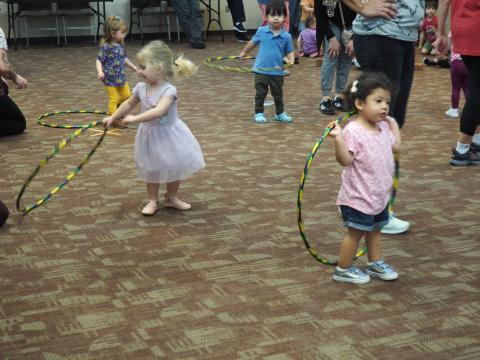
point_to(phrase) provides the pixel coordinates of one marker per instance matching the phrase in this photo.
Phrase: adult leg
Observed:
(471, 112)
(327, 72)
(344, 64)
(188, 12)
(456, 79)
(396, 59)
(12, 121)
(237, 10)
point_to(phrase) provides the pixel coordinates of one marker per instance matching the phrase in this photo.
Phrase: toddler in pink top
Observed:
(365, 148)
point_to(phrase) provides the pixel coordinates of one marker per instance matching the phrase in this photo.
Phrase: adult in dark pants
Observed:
(237, 11)
(3, 213)
(12, 121)
(465, 21)
(387, 44)
(188, 12)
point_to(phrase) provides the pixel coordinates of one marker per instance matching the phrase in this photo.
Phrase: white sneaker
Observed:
(452, 113)
(356, 63)
(395, 226)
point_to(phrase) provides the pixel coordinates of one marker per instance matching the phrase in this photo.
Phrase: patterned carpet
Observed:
(85, 276)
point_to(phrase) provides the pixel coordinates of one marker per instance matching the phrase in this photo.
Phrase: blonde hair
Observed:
(159, 55)
(112, 24)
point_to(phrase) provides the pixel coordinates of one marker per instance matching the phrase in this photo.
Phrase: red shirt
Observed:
(430, 26)
(465, 23)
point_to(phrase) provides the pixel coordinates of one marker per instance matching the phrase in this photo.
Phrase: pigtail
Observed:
(183, 67)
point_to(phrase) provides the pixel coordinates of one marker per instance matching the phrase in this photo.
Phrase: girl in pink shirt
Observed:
(365, 148)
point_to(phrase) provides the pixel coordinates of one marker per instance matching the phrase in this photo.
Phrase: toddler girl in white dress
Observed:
(165, 149)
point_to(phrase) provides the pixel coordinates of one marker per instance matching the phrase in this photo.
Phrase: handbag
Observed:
(346, 34)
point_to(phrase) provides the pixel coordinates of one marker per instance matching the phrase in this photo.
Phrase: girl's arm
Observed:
(249, 47)
(122, 111)
(422, 39)
(343, 156)
(131, 65)
(158, 111)
(395, 129)
(100, 73)
(441, 43)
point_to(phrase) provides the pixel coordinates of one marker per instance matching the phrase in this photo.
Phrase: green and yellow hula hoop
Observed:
(212, 62)
(40, 120)
(303, 178)
(25, 210)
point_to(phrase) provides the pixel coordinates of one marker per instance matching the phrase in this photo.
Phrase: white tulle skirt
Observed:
(166, 152)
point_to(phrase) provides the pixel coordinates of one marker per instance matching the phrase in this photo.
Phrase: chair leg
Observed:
(178, 30)
(64, 30)
(56, 27)
(168, 28)
(26, 30)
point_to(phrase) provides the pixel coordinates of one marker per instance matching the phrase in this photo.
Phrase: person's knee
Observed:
(3, 213)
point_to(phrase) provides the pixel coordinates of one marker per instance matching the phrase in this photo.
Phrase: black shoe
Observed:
(339, 103)
(242, 36)
(444, 63)
(469, 158)
(326, 107)
(197, 44)
(296, 61)
(429, 62)
(239, 27)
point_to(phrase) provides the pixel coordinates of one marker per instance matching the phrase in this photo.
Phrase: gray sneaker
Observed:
(351, 275)
(380, 269)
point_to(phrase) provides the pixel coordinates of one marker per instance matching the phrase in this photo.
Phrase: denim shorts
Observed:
(360, 221)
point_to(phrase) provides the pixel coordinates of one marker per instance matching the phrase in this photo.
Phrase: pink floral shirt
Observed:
(367, 181)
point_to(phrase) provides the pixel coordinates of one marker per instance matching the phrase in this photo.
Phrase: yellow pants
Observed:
(116, 96)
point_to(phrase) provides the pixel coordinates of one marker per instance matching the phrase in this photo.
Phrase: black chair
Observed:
(142, 8)
(30, 11)
(76, 10)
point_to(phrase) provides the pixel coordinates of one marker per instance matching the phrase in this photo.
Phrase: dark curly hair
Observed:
(366, 84)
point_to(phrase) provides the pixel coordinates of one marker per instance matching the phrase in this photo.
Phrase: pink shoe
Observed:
(176, 203)
(150, 209)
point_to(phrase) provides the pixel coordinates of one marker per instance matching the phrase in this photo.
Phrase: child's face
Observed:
(120, 34)
(376, 105)
(430, 11)
(276, 21)
(150, 73)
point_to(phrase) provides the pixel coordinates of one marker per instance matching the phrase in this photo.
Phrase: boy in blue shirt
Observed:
(276, 46)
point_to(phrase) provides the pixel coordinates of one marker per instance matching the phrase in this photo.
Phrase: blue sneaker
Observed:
(351, 275)
(283, 117)
(380, 269)
(260, 118)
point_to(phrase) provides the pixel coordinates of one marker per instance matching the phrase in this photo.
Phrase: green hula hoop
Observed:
(303, 178)
(73, 126)
(211, 62)
(80, 130)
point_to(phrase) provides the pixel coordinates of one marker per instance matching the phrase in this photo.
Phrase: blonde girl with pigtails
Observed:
(112, 61)
(165, 149)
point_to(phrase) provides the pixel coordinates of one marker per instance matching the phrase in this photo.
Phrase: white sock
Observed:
(340, 269)
(476, 138)
(462, 148)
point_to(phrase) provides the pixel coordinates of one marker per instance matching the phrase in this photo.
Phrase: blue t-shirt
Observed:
(112, 57)
(403, 27)
(273, 48)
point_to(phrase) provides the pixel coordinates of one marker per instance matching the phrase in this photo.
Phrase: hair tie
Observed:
(354, 88)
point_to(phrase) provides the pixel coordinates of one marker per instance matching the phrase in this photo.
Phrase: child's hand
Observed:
(336, 129)
(108, 121)
(101, 75)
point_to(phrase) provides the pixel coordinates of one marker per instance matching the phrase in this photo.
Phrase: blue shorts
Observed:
(360, 221)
